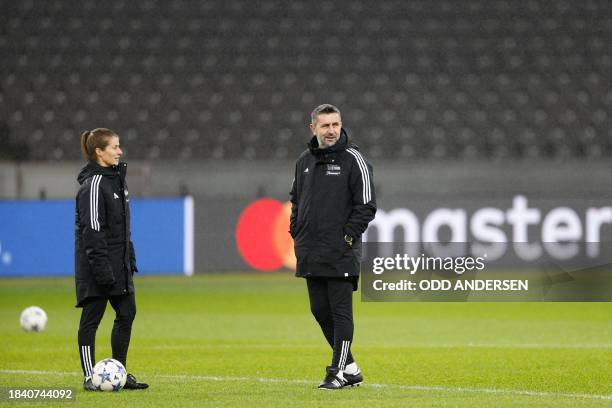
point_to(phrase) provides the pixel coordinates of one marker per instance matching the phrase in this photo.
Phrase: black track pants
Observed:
(331, 303)
(91, 316)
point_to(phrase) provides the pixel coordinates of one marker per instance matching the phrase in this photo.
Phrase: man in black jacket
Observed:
(332, 201)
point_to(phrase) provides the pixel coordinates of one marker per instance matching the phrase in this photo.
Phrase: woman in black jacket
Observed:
(105, 258)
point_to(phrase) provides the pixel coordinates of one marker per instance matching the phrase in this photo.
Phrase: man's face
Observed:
(327, 129)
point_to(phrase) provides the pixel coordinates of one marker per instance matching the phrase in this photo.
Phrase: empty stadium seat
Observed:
(419, 79)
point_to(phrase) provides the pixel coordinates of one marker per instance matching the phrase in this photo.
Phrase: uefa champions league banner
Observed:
(37, 237)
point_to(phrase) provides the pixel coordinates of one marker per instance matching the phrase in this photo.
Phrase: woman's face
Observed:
(111, 154)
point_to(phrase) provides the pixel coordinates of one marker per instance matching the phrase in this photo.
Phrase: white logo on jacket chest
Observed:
(115, 195)
(333, 170)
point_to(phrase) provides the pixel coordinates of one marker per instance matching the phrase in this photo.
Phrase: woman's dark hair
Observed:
(93, 139)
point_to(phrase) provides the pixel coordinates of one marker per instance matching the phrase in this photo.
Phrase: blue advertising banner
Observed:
(37, 237)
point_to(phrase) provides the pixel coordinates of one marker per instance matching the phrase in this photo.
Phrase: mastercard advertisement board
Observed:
(262, 235)
(546, 229)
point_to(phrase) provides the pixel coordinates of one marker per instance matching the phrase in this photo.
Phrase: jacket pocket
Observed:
(329, 243)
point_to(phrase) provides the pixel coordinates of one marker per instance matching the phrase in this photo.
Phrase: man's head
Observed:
(326, 124)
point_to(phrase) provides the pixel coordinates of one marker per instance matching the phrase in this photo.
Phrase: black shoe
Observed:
(132, 384)
(88, 385)
(333, 380)
(353, 380)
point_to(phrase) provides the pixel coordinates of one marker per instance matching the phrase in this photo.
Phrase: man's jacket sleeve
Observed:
(92, 217)
(133, 257)
(364, 198)
(294, 204)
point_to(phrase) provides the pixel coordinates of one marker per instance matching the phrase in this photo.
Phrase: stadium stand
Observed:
(237, 79)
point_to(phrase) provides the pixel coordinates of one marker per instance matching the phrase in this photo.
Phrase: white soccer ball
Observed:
(109, 375)
(33, 319)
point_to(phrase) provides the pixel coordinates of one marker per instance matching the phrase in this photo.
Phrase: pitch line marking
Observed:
(585, 346)
(498, 391)
(416, 345)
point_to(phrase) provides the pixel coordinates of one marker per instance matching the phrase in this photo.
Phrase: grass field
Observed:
(249, 340)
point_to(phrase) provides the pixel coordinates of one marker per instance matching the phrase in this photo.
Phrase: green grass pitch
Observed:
(249, 340)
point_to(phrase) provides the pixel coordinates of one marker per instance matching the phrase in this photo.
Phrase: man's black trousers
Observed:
(91, 316)
(331, 303)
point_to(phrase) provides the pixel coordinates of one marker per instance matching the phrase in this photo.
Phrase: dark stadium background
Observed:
(456, 103)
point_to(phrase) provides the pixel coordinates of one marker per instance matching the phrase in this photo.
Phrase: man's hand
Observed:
(348, 239)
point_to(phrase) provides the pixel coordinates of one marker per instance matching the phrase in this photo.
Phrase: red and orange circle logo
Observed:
(262, 235)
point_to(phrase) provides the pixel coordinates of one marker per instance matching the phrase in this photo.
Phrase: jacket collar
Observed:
(93, 168)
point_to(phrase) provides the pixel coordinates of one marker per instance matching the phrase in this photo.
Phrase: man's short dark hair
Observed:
(323, 109)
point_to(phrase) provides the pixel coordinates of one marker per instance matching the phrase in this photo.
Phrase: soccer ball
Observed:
(109, 375)
(33, 319)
